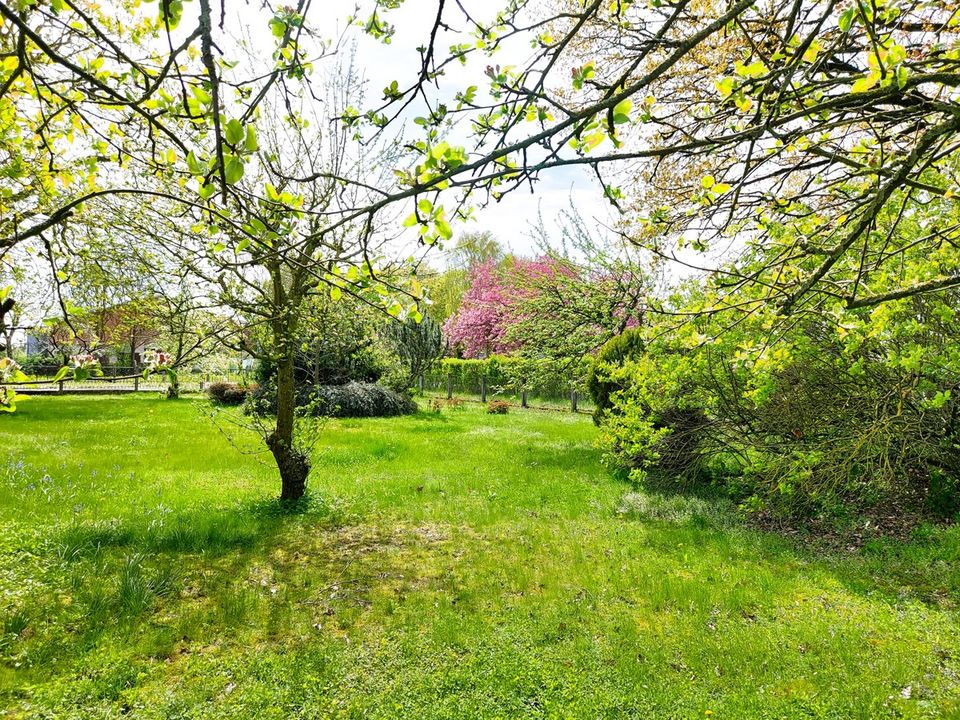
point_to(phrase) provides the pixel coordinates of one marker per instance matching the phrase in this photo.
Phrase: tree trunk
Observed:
(294, 466)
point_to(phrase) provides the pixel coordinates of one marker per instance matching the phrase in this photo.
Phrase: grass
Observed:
(453, 565)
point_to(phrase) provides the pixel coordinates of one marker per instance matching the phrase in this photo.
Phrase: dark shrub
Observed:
(679, 450)
(615, 352)
(944, 494)
(498, 407)
(358, 400)
(225, 393)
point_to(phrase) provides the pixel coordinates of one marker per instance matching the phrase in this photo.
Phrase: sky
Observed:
(511, 219)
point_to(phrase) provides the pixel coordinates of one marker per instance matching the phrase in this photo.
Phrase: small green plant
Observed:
(943, 498)
(138, 588)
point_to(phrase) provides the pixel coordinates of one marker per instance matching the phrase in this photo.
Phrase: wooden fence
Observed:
(123, 380)
(573, 398)
(117, 380)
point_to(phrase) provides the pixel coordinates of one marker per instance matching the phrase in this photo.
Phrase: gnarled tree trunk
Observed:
(294, 466)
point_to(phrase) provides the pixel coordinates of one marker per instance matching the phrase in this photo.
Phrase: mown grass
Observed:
(459, 565)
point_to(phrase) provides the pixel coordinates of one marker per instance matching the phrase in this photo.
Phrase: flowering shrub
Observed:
(550, 306)
(481, 323)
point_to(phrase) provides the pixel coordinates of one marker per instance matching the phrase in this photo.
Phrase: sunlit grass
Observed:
(451, 565)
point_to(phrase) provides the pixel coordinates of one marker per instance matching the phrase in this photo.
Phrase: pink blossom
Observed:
(494, 302)
(157, 359)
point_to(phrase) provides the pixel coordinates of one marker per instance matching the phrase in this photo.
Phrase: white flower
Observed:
(84, 361)
(8, 369)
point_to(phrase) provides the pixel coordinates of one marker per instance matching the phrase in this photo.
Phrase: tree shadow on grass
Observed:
(200, 530)
(925, 568)
(112, 577)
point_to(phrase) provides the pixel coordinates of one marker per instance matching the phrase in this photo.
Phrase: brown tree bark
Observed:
(294, 466)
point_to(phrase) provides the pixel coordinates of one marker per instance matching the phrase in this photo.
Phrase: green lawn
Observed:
(459, 565)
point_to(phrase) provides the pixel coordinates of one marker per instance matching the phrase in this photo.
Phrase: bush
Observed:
(338, 343)
(615, 352)
(498, 407)
(943, 499)
(830, 418)
(225, 393)
(38, 364)
(358, 400)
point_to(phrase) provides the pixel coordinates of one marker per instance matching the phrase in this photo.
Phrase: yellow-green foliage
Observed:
(857, 407)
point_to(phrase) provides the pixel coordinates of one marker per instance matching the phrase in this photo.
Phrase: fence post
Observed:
(573, 401)
(60, 387)
(449, 386)
(483, 388)
(523, 398)
(136, 383)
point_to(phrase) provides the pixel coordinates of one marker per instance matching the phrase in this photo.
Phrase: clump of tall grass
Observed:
(138, 587)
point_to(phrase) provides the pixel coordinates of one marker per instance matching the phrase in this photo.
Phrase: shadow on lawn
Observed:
(163, 575)
(925, 568)
(212, 533)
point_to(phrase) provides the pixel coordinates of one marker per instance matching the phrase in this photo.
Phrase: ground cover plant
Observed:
(445, 565)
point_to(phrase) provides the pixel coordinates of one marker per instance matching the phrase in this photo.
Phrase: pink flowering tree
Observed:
(550, 307)
(479, 326)
(494, 302)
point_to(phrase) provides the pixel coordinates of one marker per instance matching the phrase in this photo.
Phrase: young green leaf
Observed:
(250, 141)
(234, 169)
(234, 132)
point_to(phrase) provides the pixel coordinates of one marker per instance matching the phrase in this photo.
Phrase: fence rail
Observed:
(437, 384)
(120, 380)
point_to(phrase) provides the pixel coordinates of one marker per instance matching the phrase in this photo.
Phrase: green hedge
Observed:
(511, 374)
